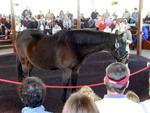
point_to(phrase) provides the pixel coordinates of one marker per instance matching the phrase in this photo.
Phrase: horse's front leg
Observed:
(74, 79)
(65, 79)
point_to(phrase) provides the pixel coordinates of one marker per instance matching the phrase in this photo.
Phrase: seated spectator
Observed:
(114, 16)
(116, 81)
(144, 36)
(102, 25)
(116, 28)
(26, 13)
(125, 27)
(131, 21)
(113, 25)
(94, 14)
(126, 14)
(79, 103)
(109, 21)
(133, 96)
(41, 23)
(135, 15)
(147, 18)
(87, 91)
(56, 28)
(106, 14)
(33, 23)
(107, 29)
(91, 23)
(32, 93)
(67, 23)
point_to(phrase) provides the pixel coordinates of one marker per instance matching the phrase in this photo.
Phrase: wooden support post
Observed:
(78, 14)
(140, 23)
(13, 26)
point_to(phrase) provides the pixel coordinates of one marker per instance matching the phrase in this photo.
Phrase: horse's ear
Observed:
(119, 33)
(116, 32)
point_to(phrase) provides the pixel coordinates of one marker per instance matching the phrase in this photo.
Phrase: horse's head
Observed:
(119, 49)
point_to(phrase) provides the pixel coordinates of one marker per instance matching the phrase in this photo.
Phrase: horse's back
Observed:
(29, 34)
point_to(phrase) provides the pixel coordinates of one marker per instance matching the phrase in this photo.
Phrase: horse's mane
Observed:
(85, 36)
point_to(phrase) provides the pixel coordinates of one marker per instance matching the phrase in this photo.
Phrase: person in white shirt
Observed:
(107, 29)
(127, 34)
(116, 81)
(146, 105)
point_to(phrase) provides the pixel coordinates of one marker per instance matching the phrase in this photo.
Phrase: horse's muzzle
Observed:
(123, 57)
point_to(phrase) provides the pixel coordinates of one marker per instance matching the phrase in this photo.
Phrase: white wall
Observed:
(71, 5)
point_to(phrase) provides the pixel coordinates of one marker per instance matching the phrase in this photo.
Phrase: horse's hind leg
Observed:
(20, 75)
(66, 78)
(27, 68)
(24, 68)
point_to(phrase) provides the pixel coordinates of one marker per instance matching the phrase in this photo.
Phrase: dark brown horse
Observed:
(65, 50)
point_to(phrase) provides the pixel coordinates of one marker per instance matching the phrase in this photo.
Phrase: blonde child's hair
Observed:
(87, 91)
(133, 96)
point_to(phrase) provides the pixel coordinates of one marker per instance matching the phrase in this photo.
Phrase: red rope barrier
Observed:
(10, 82)
(136, 72)
(60, 87)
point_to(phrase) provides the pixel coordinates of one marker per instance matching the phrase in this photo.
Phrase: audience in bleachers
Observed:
(144, 36)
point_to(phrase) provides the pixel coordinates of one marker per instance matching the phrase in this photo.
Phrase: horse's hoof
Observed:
(74, 90)
(20, 79)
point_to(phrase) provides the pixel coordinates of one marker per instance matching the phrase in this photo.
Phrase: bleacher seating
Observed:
(146, 44)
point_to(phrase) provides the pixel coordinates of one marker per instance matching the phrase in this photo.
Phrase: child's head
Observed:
(79, 103)
(32, 92)
(90, 93)
(133, 96)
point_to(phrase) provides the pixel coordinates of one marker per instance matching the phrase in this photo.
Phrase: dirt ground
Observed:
(91, 72)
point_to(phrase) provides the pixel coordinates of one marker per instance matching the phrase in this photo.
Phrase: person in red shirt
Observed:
(102, 25)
